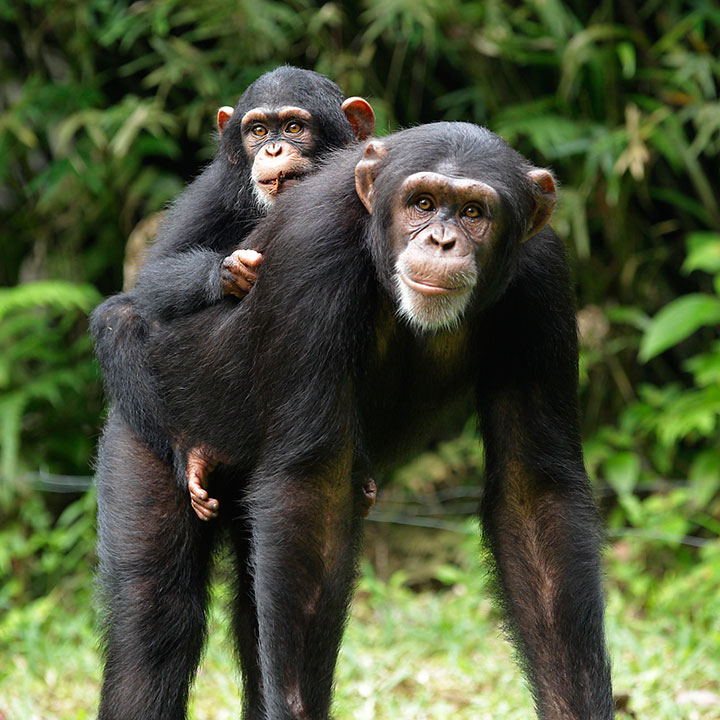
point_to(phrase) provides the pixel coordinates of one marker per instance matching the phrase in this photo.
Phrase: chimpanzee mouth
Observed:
(435, 287)
(282, 181)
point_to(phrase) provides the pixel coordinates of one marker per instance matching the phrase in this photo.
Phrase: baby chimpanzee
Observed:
(283, 124)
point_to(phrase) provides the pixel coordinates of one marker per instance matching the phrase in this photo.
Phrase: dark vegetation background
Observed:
(107, 109)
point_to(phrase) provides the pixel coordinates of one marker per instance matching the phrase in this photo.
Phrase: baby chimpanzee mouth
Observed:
(284, 179)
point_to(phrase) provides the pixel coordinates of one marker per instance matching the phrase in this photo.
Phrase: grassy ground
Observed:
(433, 651)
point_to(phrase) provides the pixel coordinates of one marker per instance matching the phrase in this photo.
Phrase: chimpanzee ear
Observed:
(366, 170)
(360, 115)
(224, 114)
(544, 187)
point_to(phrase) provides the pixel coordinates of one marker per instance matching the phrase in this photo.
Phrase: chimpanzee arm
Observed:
(181, 273)
(539, 519)
(173, 285)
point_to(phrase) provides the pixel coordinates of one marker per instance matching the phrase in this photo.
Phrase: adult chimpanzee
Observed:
(396, 282)
(280, 128)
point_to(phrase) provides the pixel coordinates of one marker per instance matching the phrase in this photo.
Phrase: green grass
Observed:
(432, 652)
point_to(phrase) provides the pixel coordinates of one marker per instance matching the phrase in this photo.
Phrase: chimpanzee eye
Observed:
(473, 212)
(259, 130)
(425, 204)
(293, 128)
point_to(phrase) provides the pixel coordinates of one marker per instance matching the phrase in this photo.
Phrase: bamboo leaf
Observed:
(703, 252)
(58, 293)
(677, 321)
(622, 471)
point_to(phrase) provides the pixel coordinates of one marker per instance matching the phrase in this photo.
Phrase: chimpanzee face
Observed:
(442, 227)
(447, 235)
(281, 144)
(284, 143)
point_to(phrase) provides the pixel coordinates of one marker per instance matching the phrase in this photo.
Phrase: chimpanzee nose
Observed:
(273, 149)
(441, 238)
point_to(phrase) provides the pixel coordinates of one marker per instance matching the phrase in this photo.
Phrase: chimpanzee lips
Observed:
(434, 286)
(432, 301)
(278, 183)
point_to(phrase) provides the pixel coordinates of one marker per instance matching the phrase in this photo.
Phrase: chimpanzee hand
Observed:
(200, 463)
(239, 272)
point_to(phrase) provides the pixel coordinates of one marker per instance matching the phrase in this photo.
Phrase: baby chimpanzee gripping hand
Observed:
(239, 272)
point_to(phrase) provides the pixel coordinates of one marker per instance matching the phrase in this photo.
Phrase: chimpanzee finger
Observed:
(211, 504)
(241, 270)
(202, 512)
(230, 287)
(248, 258)
(245, 276)
(234, 284)
(195, 488)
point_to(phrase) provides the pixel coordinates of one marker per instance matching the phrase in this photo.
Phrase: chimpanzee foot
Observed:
(370, 492)
(200, 463)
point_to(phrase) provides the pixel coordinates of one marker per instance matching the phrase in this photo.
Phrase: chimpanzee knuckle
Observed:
(247, 257)
(237, 290)
(242, 285)
(205, 508)
(228, 282)
(202, 514)
(250, 274)
(232, 274)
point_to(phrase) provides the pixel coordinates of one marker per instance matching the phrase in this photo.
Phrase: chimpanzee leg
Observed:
(245, 621)
(120, 333)
(154, 557)
(541, 525)
(305, 538)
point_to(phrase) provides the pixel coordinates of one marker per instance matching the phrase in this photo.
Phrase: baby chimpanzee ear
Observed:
(361, 117)
(544, 198)
(223, 116)
(366, 171)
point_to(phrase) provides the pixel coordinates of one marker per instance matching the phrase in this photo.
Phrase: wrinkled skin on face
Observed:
(441, 229)
(445, 230)
(281, 144)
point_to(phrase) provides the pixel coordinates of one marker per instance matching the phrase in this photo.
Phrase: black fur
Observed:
(181, 273)
(312, 382)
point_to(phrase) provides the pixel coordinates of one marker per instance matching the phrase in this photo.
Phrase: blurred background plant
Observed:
(107, 109)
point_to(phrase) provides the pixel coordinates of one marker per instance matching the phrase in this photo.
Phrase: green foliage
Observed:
(47, 379)
(39, 554)
(683, 316)
(677, 321)
(672, 430)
